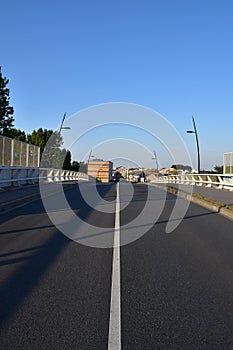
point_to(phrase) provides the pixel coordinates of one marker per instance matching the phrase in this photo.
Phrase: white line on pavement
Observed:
(114, 335)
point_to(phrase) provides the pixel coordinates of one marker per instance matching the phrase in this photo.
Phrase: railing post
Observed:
(12, 153)
(27, 155)
(3, 151)
(38, 156)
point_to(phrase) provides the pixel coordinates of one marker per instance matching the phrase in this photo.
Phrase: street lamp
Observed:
(156, 160)
(89, 159)
(90, 156)
(198, 151)
(63, 127)
(59, 133)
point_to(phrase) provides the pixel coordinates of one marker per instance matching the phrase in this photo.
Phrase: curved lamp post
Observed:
(61, 126)
(90, 156)
(198, 150)
(156, 160)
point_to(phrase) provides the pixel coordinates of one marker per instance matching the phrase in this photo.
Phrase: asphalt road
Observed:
(176, 289)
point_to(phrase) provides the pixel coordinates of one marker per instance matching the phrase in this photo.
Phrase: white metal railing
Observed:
(17, 176)
(221, 181)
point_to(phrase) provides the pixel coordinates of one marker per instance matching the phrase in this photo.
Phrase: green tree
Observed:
(218, 169)
(75, 165)
(52, 155)
(40, 138)
(16, 134)
(67, 161)
(83, 167)
(174, 166)
(6, 111)
(182, 167)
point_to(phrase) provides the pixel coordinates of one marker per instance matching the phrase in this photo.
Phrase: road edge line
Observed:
(114, 335)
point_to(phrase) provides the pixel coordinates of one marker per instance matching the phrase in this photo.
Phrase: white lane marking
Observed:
(114, 335)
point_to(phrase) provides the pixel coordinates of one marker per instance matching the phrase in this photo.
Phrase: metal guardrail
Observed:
(17, 176)
(221, 181)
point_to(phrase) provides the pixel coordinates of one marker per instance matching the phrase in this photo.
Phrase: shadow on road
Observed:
(28, 252)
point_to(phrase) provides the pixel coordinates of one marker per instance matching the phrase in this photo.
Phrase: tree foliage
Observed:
(218, 169)
(6, 111)
(40, 138)
(67, 161)
(16, 134)
(174, 166)
(50, 143)
(182, 167)
(52, 154)
(83, 167)
(75, 165)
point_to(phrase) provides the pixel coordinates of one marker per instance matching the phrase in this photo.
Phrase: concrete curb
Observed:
(216, 207)
(226, 212)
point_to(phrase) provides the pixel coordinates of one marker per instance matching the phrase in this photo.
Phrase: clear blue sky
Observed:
(174, 56)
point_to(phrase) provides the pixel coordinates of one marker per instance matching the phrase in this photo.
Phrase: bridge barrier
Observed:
(228, 163)
(221, 181)
(18, 154)
(17, 176)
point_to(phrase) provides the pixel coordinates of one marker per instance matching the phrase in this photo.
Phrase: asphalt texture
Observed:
(54, 293)
(16, 195)
(176, 289)
(220, 195)
(12, 194)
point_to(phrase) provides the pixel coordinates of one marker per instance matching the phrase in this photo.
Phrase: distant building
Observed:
(134, 175)
(101, 170)
(123, 171)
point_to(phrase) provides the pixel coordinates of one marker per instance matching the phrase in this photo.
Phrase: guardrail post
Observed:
(27, 155)
(12, 152)
(25, 175)
(3, 151)
(208, 180)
